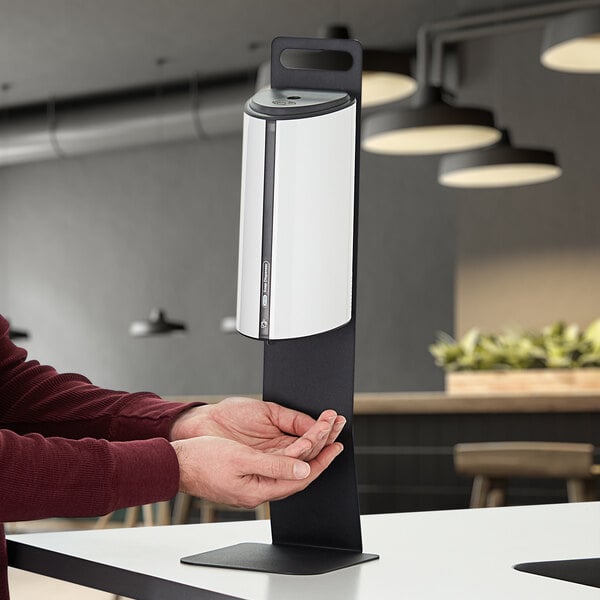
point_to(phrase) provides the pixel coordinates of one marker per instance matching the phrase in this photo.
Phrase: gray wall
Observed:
(92, 243)
(406, 273)
(89, 244)
(96, 242)
(530, 256)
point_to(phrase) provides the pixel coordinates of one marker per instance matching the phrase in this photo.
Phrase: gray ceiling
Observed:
(66, 48)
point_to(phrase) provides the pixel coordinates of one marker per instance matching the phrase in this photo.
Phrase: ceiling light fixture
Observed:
(572, 42)
(432, 126)
(501, 165)
(387, 74)
(156, 324)
(386, 77)
(432, 130)
(18, 334)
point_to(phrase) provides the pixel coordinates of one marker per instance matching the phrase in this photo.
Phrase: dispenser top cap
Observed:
(289, 103)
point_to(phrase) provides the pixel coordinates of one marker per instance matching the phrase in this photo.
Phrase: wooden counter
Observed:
(441, 402)
(399, 403)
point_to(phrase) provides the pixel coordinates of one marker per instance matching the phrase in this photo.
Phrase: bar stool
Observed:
(131, 517)
(492, 463)
(208, 509)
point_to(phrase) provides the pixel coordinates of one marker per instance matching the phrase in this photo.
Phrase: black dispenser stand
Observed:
(317, 530)
(585, 571)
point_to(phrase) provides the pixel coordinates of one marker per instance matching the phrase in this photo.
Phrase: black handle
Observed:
(322, 79)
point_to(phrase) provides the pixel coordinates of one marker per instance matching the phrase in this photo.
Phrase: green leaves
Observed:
(557, 346)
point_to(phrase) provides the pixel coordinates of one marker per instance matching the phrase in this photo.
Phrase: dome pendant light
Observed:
(18, 334)
(387, 74)
(386, 77)
(432, 127)
(156, 324)
(572, 42)
(501, 165)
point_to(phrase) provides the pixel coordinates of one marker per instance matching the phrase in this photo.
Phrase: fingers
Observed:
(295, 422)
(276, 466)
(314, 439)
(337, 428)
(225, 471)
(324, 432)
(290, 421)
(322, 461)
(319, 434)
(299, 448)
(278, 489)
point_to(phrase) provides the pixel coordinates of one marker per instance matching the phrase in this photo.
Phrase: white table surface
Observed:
(462, 554)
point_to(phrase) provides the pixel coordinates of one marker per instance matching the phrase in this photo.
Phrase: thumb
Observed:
(276, 466)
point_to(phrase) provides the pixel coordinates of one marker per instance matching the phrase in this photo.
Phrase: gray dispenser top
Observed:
(294, 104)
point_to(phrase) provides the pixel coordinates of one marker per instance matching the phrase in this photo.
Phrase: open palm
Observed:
(264, 426)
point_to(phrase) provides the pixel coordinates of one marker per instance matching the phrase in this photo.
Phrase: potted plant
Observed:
(559, 358)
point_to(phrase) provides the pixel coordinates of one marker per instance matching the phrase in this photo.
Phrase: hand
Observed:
(232, 473)
(262, 426)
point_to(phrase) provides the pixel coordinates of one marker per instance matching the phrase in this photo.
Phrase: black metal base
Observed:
(585, 571)
(285, 560)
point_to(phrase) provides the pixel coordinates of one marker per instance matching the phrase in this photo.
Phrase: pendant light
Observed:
(156, 324)
(17, 334)
(432, 126)
(572, 42)
(386, 77)
(501, 165)
(387, 74)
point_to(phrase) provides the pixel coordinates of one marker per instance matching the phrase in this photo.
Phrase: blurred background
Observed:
(120, 165)
(92, 241)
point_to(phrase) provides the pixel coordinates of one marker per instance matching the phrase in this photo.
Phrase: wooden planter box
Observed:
(523, 381)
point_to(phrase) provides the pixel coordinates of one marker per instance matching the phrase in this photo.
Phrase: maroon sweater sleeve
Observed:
(35, 398)
(49, 475)
(54, 460)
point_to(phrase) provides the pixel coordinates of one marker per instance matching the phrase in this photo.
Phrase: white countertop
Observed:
(462, 554)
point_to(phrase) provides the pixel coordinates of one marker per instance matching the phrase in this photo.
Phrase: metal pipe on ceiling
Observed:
(140, 118)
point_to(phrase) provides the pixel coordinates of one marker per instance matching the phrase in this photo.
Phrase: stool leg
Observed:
(148, 515)
(103, 521)
(580, 490)
(163, 513)
(497, 493)
(481, 486)
(181, 508)
(208, 512)
(262, 511)
(131, 516)
(590, 490)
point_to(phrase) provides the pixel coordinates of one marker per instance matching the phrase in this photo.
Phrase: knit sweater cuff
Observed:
(145, 471)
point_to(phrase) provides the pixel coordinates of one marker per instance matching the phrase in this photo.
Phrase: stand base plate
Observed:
(272, 558)
(582, 570)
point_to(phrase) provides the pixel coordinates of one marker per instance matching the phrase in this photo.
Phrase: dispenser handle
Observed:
(323, 79)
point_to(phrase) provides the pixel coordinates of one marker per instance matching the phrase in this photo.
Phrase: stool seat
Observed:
(492, 463)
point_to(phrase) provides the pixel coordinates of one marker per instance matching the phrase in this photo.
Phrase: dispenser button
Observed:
(265, 300)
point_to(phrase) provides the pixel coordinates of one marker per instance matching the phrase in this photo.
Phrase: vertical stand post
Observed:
(317, 530)
(315, 373)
